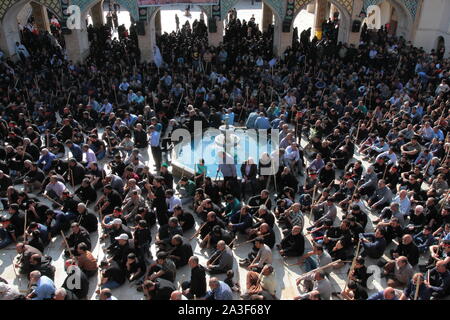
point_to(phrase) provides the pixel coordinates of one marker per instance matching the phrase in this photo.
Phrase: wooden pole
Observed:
(67, 246)
(198, 231)
(352, 267)
(223, 251)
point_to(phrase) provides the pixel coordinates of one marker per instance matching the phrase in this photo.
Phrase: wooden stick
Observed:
(54, 201)
(352, 267)
(212, 263)
(416, 294)
(67, 246)
(248, 241)
(198, 231)
(25, 228)
(318, 269)
(313, 198)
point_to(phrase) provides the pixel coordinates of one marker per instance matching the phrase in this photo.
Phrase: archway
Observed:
(343, 16)
(391, 14)
(169, 15)
(9, 29)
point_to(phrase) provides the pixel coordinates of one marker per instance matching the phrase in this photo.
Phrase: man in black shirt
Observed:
(181, 251)
(78, 235)
(87, 219)
(110, 200)
(75, 172)
(159, 201)
(197, 285)
(113, 276)
(5, 182)
(34, 178)
(86, 192)
(160, 289)
(293, 245)
(76, 281)
(185, 219)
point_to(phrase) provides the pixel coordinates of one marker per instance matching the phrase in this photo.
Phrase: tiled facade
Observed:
(53, 5)
(411, 5)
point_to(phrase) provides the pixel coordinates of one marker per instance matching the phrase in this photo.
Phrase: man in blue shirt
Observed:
(77, 153)
(373, 244)
(386, 294)
(44, 287)
(46, 159)
(262, 122)
(154, 144)
(219, 290)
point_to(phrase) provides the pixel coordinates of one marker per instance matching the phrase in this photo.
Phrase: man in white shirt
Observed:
(292, 157)
(88, 155)
(389, 154)
(172, 201)
(403, 202)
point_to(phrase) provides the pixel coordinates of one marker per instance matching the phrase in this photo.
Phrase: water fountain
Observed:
(237, 142)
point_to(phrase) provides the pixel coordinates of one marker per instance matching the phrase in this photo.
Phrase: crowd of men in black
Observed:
(385, 99)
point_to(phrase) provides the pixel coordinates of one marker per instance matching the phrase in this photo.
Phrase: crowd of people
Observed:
(76, 135)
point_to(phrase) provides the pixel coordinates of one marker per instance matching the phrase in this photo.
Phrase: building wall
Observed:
(434, 22)
(385, 10)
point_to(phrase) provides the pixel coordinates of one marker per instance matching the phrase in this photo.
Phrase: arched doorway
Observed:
(174, 17)
(335, 10)
(391, 15)
(9, 28)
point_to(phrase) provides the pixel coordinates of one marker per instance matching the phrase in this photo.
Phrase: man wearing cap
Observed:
(134, 267)
(117, 228)
(120, 249)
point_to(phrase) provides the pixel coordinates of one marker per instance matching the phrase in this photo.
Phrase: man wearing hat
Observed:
(117, 227)
(120, 249)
